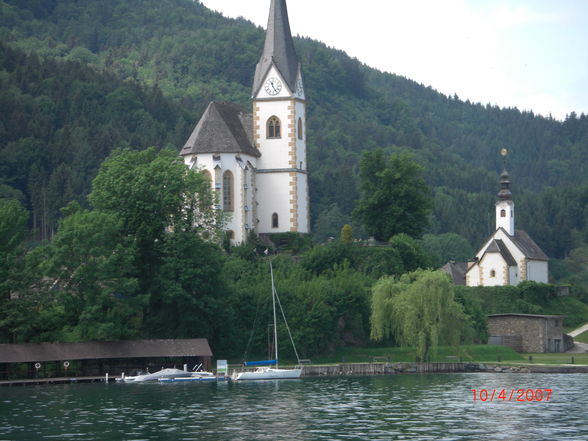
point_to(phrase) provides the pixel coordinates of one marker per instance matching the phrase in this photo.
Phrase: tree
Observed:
(153, 193)
(445, 247)
(395, 199)
(91, 267)
(346, 233)
(419, 310)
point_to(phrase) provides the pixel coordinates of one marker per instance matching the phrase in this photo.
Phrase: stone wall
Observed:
(538, 333)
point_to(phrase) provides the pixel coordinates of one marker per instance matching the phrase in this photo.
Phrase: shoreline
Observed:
(360, 369)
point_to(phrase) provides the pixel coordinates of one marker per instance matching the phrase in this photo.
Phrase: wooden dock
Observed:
(56, 380)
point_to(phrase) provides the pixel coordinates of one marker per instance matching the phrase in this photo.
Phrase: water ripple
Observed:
(401, 407)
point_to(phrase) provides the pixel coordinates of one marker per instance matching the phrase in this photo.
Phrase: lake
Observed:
(394, 407)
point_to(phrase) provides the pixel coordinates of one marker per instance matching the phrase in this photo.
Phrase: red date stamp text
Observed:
(521, 395)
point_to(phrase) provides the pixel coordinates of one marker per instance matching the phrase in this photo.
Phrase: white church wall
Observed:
(506, 221)
(272, 200)
(473, 276)
(493, 270)
(303, 204)
(300, 138)
(537, 271)
(274, 151)
(514, 275)
(243, 199)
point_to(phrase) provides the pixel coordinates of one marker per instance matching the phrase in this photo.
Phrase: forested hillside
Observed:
(110, 73)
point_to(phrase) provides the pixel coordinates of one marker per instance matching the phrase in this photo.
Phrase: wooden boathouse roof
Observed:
(93, 350)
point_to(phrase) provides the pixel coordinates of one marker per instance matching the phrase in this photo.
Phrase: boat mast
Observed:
(275, 321)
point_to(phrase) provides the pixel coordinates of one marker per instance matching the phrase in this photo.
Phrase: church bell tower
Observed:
(279, 131)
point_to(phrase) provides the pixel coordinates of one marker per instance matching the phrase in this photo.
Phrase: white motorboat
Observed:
(194, 376)
(164, 373)
(267, 372)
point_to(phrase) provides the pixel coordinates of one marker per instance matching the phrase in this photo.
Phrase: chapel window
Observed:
(275, 222)
(228, 191)
(492, 273)
(274, 127)
(502, 213)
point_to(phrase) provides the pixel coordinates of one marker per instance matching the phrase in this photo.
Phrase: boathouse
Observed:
(527, 332)
(95, 358)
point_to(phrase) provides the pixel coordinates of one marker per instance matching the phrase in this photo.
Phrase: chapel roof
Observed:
(528, 246)
(278, 49)
(498, 246)
(223, 128)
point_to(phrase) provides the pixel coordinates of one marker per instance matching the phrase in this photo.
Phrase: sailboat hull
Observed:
(268, 374)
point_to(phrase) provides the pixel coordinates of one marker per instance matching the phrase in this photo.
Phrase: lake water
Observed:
(397, 407)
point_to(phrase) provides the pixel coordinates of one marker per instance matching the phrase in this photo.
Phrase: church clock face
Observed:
(273, 86)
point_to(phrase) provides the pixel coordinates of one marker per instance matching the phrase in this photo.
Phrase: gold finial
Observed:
(503, 152)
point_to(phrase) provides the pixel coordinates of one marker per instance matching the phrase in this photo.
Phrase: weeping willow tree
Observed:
(418, 310)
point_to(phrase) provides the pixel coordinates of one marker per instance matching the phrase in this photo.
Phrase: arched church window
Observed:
(300, 128)
(502, 213)
(228, 191)
(492, 273)
(275, 221)
(274, 127)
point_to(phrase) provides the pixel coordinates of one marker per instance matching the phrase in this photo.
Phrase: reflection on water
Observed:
(402, 407)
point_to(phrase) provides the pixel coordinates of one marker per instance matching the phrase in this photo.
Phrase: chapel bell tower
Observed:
(279, 131)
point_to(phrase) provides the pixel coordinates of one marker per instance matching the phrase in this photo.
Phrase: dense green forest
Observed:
(100, 70)
(80, 79)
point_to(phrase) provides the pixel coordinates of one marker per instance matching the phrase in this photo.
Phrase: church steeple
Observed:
(278, 49)
(505, 205)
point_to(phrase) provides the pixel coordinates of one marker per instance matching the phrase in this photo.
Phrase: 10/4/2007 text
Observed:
(521, 395)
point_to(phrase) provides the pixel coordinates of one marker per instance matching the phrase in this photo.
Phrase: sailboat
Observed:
(269, 369)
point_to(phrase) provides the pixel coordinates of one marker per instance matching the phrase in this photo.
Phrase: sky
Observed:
(529, 54)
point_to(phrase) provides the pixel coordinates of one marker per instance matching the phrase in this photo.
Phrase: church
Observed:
(509, 256)
(256, 161)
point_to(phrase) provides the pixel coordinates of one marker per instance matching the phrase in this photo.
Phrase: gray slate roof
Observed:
(528, 246)
(223, 128)
(457, 271)
(278, 49)
(92, 350)
(498, 246)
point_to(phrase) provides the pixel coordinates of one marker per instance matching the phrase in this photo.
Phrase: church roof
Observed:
(278, 49)
(528, 246)
(456, 270)
(498, 246)
(223, 128)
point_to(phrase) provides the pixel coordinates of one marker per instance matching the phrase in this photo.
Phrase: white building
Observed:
(509, 256)
(257, 161)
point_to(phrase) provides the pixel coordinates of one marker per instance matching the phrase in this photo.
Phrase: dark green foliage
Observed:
(395, 198)
(445, 247)
(64, 119)
(404, 254)
(526, 298)
(181, 50)
(81, 79)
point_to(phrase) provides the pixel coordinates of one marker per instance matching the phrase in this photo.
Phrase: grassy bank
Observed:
(473, 353)
(466, 353)
(480, 353)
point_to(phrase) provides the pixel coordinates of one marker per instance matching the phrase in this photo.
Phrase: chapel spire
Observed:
(505, 206)
(278, 49)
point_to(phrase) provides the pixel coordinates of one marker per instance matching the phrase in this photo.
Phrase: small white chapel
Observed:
(256, 162)
(509, 256)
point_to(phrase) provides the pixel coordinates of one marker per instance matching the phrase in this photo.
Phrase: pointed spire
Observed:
(278, 49)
